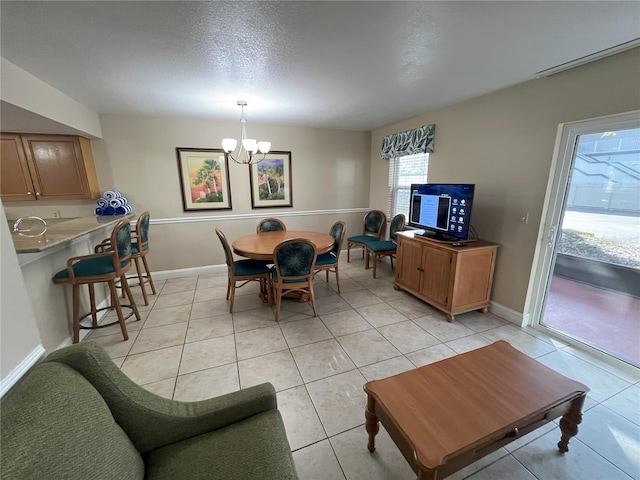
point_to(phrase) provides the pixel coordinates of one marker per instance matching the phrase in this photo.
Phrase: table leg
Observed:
(569, 423)
(372, 424)
(430, 475)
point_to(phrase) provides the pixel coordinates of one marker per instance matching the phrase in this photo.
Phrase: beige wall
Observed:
(137, 156)
(20, 342)
(503, 142)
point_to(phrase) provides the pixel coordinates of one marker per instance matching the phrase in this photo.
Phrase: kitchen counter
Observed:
(59, 231)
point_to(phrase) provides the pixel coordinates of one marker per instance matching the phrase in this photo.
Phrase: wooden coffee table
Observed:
(448, 414)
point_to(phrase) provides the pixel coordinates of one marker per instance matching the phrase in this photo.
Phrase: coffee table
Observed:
(448, 414)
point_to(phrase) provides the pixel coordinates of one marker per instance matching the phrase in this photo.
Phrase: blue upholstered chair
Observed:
(271, 225)
(244, 271)
(385, 248)
(294, 262)
(372, 228)
(329, 261)
(105, 266)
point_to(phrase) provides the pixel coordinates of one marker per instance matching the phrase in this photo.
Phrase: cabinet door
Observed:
(57, 166)
(409, 268)
(15, 179)
(437, 275)
(474, 277)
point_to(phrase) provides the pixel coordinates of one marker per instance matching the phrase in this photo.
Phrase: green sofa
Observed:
(77, 416)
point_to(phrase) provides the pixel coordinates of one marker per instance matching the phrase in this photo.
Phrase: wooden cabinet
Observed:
(453, 279)
(46, 167)
(15, 179)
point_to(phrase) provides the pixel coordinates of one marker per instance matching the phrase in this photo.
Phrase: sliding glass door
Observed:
(589, 269)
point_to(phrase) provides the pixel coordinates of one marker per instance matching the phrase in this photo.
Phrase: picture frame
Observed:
(271, 184)
(204, 178)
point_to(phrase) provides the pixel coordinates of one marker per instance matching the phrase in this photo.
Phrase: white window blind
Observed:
(403, 171)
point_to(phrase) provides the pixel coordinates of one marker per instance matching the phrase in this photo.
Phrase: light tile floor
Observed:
(188, 347)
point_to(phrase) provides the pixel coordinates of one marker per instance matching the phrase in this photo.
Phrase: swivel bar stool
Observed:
(105, 266)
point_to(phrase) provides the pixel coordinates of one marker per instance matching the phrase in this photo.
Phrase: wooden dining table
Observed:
(260, 246)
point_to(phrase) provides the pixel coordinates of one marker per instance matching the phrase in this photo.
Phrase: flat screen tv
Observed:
(442, 210)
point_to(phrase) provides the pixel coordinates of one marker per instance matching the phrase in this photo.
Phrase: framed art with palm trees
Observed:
(271, 181)
(204, 178)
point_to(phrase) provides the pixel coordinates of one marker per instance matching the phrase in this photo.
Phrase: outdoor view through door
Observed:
(593, 292)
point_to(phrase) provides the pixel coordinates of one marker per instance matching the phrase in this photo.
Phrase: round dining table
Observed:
(260, 246)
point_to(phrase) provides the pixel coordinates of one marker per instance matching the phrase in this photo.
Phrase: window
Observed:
(403, 171)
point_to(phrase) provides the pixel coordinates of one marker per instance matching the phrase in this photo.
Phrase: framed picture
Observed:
(204, 178)
(271, 181)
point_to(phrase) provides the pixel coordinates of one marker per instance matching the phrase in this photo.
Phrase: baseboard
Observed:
(517, 318)
(160, 275)
(185, 272)
(23, 367)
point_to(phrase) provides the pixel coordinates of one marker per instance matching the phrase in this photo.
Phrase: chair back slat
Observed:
(397, 225)
(142, 230)
(295, 258)
(271, 225)
(374, 223)
(121, 238)
(228, 255)
(337, 232)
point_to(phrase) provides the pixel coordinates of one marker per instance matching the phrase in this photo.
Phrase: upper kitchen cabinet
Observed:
(15, 179)
(47, 167)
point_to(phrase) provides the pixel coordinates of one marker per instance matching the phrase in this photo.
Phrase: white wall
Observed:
(503, 142)
(19, 339)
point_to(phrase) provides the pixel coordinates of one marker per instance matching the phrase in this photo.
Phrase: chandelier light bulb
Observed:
(229, 144)
(250, 145)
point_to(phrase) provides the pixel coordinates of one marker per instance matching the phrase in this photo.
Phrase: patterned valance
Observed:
(418, 140)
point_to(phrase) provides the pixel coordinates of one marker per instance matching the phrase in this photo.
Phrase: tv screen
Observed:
(442, 210)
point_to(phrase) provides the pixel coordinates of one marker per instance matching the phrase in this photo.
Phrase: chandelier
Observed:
(246, 153)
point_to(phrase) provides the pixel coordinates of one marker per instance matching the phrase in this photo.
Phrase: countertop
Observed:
(59, 231)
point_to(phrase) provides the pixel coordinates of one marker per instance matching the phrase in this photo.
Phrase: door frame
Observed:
(553, 211)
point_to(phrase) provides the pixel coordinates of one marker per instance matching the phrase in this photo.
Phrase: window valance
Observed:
(410, 142)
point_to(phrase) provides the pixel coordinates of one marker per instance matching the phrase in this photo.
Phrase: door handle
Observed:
(551, 236)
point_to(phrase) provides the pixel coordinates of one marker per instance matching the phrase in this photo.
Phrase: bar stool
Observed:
(105, 266)
(139, 250)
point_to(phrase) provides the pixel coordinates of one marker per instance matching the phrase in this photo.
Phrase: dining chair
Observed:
(244, 271)
(294, 262)
(271, 225)
(329, 261)
(373, 225)
(104, 266)
(385, 248)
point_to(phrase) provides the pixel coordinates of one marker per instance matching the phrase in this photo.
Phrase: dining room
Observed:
(188, 346)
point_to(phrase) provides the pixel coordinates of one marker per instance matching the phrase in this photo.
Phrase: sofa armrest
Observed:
(149, 420)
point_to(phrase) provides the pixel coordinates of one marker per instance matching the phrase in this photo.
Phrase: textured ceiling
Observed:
(346, 65)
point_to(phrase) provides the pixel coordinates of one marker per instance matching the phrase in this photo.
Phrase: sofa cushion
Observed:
(254, 448)
(56, 425)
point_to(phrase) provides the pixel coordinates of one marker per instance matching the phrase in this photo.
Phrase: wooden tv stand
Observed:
(452, 279)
